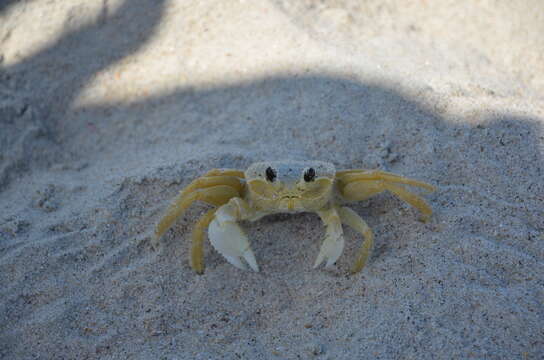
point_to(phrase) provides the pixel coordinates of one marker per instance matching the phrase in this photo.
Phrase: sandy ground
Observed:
(108, 108)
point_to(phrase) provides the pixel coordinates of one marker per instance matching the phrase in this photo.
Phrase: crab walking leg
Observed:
(226, 172)
(216, 195)
(411, 199)
(210, 181)
(363, 189)
(349, 176)
(228, 238)
(197, 251)
(333, 245)
(354, 221)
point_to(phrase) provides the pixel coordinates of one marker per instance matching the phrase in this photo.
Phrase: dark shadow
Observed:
(483, 235)
(45, 85)
(479, 170)
(5, 5)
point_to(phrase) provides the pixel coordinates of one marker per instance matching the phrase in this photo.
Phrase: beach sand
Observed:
(108, 108)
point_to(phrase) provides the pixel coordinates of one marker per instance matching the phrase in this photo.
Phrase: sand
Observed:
(108, 108)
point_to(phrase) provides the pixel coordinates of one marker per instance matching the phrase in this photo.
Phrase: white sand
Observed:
(108, 108)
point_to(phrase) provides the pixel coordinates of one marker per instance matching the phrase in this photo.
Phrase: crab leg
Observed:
(362, 189)
(353, 220)
(334, 238)
(348, 176)
(197, 251)
(228, 238)
(225, 172)
(209, 181)
(215, 195)
(411, 199)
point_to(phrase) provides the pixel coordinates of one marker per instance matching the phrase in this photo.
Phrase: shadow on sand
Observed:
(490, 177)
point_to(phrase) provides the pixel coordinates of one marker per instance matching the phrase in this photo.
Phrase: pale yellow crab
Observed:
(285, 186)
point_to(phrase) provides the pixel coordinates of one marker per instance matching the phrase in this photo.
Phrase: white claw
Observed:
(332, 247)
(334, 253)
(236, 261)
(250, 259)
(231, 242)
(320, 258)
(331, 250)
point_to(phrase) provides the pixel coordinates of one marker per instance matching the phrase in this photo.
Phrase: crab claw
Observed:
(333, 245)
(231, 242)
(331, 250)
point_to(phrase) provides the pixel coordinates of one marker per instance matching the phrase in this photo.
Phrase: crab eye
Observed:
(270, 174)
(309, 175)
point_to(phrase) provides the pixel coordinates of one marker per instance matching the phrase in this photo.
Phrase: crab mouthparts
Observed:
(291, 199)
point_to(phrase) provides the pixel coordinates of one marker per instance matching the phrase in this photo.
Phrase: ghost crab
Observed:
(285, 186)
